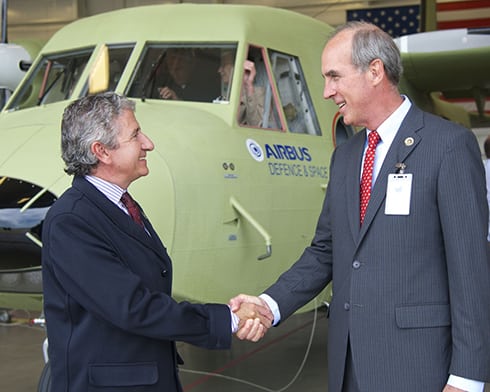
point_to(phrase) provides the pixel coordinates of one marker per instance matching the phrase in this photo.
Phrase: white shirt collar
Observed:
(112, 191)
(388, 128)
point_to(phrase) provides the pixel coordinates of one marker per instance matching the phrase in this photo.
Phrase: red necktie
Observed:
(367, 172)
(132, 208)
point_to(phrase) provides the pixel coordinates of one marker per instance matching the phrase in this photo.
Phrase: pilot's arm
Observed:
(252, 99)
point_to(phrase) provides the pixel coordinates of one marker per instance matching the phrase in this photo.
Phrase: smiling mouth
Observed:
(341, 105)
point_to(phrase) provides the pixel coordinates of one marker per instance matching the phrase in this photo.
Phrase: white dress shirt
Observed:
(387, 131)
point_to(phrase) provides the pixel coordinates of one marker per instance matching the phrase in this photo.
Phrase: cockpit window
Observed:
(258, 106)
(180, 72)
(118, 58)
(53, 79)
(293, 91)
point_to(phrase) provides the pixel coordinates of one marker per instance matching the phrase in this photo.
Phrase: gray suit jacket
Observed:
(411, 293)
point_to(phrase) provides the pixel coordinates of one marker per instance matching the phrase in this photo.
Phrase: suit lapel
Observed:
(353, 182)
(119, 218)
(405, 141)
(153, 236)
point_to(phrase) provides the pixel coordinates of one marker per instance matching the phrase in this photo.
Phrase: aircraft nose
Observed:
(23, 207)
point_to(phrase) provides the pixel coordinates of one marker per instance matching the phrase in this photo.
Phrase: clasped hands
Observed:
(254, 314)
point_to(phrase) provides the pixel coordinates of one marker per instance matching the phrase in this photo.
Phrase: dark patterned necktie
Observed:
(367, 173)
(132, 208)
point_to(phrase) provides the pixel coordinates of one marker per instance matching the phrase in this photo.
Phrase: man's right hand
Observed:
(248, 307)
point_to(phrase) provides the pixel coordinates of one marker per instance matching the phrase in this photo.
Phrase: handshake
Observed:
(255, 316)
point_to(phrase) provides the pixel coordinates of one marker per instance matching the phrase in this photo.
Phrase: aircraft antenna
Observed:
(4, 21)
(479, 30)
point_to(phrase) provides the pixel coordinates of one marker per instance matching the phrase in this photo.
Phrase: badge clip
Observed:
(400, 168)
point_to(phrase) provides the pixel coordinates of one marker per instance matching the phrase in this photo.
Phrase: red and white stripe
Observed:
(463, 14)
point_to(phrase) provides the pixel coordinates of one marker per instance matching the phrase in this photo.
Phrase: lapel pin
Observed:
(409, 141)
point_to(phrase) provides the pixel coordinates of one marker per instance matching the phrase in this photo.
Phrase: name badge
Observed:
(398, 194)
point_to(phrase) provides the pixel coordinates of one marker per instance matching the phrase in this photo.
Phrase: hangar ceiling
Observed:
(41, 18)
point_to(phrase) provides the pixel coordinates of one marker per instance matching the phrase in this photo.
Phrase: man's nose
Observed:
(147, 143)
(328, 90)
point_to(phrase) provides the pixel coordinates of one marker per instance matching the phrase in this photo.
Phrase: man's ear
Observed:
(100, 151)
(376, 71)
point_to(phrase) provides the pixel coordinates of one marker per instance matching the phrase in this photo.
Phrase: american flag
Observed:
(463, 14)
(451, 14)
(396, 21)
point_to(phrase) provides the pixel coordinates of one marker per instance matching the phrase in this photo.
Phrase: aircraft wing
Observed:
(447, 66)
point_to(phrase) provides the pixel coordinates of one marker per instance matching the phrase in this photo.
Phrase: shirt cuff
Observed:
(235, 320)
(465, 384)
(273, 307)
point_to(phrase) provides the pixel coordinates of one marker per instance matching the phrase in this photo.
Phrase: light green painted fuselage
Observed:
(205, 190)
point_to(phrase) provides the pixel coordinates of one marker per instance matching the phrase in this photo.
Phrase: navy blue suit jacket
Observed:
(111, 321)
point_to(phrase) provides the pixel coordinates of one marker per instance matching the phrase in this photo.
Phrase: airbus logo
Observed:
(285, 152)
(286, 160)
(277, 151)
(255, 150)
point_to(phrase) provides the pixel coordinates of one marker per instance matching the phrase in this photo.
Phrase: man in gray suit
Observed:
(411, 303)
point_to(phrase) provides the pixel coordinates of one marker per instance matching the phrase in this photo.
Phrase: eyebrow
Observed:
(134, 133)
(331, 73)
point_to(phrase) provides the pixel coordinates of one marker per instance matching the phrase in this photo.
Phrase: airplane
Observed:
(232, 200)
(235, 204)
(447, 66)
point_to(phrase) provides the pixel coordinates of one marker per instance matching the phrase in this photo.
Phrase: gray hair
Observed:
(88, 120)
(369, 42)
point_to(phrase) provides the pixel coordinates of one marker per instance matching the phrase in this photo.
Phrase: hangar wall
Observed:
(39, 19)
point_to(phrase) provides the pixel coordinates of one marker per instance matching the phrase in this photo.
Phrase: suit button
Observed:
(346, 306)
(356, 264)
(163, 272)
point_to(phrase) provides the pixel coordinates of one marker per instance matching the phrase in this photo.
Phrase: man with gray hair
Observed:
(107, 278)
(402, 235)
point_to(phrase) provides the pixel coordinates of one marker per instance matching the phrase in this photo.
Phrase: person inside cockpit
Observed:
(252, 97)
(179, 79)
